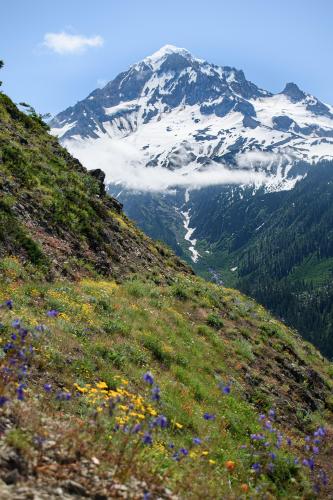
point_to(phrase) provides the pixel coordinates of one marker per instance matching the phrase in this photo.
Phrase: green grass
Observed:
(105, 330)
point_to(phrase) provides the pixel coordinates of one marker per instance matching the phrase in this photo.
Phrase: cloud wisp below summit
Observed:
(121, 165)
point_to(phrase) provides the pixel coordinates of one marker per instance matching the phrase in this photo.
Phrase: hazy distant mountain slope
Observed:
(276, 247)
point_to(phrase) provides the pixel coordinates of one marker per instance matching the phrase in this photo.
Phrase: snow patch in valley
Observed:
(189, 231)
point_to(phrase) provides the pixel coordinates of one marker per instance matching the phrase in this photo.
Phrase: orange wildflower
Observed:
(230, 465)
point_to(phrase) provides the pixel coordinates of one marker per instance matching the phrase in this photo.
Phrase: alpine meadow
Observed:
(166, 251)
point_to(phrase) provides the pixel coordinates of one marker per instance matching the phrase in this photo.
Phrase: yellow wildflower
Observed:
(101, 385)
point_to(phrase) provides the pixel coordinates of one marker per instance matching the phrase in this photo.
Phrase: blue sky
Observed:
(273, 41)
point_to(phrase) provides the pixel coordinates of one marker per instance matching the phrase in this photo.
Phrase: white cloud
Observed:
(122, 165)
(65, 43)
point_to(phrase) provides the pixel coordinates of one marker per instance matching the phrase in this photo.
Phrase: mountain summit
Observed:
(166, 51)
(175, 111)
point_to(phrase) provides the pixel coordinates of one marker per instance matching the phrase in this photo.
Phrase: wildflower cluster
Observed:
(266, 445)
(17, 351)
(141, 417)
(128, 410)
(137, 422)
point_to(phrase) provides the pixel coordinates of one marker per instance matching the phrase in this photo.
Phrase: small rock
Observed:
(50, 444)
(74, 488)
(101, 496)
(11, 477)
(95, 461)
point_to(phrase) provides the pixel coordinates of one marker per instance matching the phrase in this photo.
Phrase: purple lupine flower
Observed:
(183, 451)
(7, 347)
(9, 304)
(271, 413)
(311, 463)
(262, 416)
(161, 421)
(38, 441)
(47, 387)
(156, 393)
(256, 467)
(40, 328)
(52, 313)
(147, 439)
(148, 377)
(20, 392)
(257, 437)
(63, 396)
(208, 416)
(16, 323)
(23, 333)
(3, 400)
(136, 428)
(272, 455)
(197, 440)
(315, 450)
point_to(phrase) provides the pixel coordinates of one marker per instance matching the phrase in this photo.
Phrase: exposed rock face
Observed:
(98, 174)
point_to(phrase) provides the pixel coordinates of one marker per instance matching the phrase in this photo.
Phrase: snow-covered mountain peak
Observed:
(175, 113)
(157, 57)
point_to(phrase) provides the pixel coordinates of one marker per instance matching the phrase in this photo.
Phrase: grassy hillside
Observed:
(54, 215)
(123, 377)
(210, 350)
